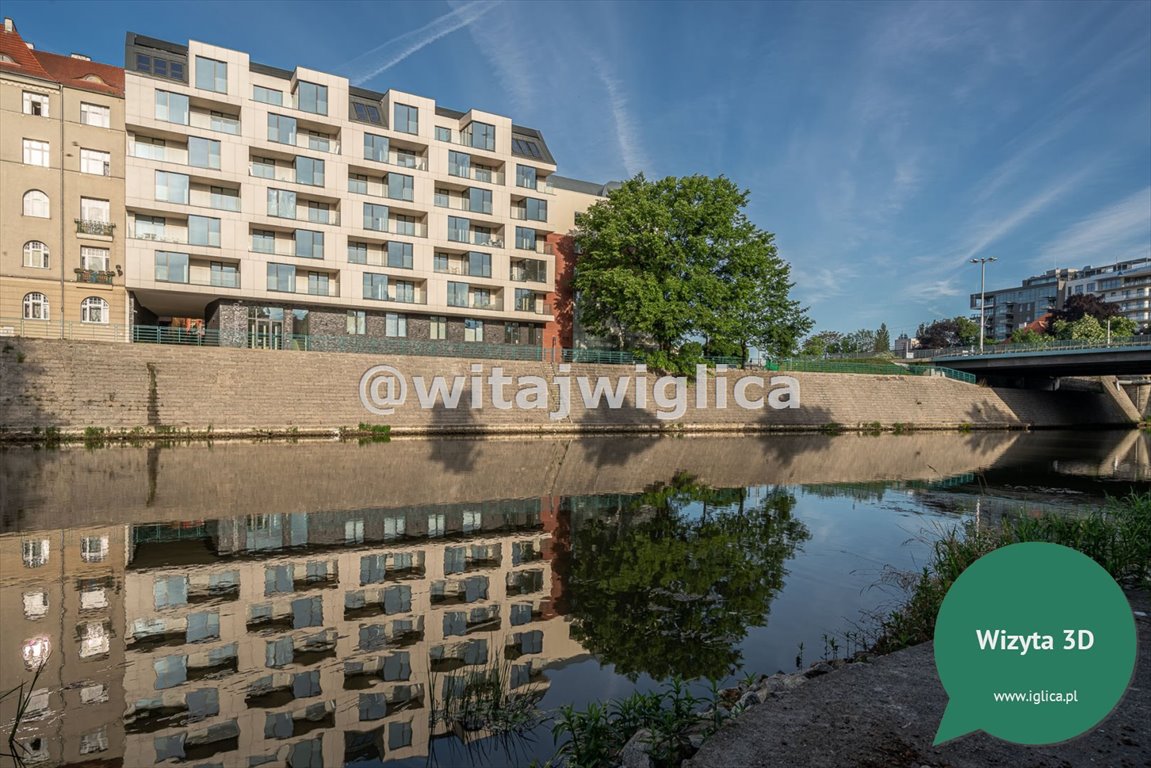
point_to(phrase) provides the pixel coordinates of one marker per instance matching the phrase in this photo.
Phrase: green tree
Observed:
(1029, 336)
(1089, 328)
(883, 340)
(670, 585)
(819, 344)
(861, 342)
(665, 260)
(950, 332)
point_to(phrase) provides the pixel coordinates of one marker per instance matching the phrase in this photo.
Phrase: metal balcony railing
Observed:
(95, 227)
(101, 276)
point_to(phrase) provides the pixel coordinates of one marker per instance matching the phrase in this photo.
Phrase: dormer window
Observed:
(366, 113)
(91, 78)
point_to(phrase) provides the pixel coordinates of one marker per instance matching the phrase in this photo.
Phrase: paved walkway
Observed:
(884, 714)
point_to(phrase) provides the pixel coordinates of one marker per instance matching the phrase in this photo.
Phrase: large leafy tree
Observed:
(671, 584)
(883, 340)
(665, 261)
(1082, 305)
(951, 332)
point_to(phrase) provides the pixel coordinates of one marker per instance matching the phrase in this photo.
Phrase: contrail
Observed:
(410, 42)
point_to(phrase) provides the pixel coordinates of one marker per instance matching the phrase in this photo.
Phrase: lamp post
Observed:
(982, 262)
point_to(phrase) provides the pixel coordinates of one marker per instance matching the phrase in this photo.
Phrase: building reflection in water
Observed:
(279, 639)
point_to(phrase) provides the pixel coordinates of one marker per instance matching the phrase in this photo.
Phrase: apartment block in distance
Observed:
(268, 205)
(61, 194)
(1125, 283)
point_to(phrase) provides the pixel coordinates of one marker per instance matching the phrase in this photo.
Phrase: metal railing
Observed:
(100, 276)
(95, 227)
(155, 334)
(63, 329)
(1055, 345)
(438, 348)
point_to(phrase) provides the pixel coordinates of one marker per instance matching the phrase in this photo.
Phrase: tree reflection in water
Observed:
(670, 584)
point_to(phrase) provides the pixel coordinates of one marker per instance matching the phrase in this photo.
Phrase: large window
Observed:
(483, 136)
(438, 327)
(357, 253)
(473, 330)
(407, 119)
(400, 186)
(525, 176)
(358, 183)
(36, 254)
(149, 148)
(282, 203)
(224, 275)
(400, 255)
(172, 107)
(36, 104)
(375, 286)
(95, 259)
(309, 244)
(224, 198)
(443, 133)
(263, 241)
(160, 67)
(376, 217)
(93, 209)
(404, 290)
(94, 310)
(35, 306)
(396, 325)
(281, 129)
(267, 95)
(36, 152)
(357, 322)
(458, 229)
(218, 121)
(457, 294)
(404, 225)
(525, 238)
(282, 278)
(536, 210)
(479, 200)
(170, 591)
(36, 204)
(318, 212)
(204, 230)
(530, 270)
(95, 162)
(95, 114)
(203, 153)
(459, 164)
(172, 187)
(171, 267)
(150, 227)
(375, 148)
(319, 283)
(263, 168)
(310, 171)
(311, 97)
(479, 264)
(366, 113)
(211, 75)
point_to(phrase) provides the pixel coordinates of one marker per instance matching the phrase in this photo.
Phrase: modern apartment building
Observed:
(61, 193)
(268, 204)
(1007, 309)
(1126, 283)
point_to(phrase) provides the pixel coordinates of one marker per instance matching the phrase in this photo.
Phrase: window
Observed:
(357, 322)
(375, 148)
(376, 217)
(171, 267)
(211, 75)
(405, 291)
(536, 210)
(479, 264)
(172, 187)
(203, 153)
(375, 286)
(473, 330)
(400, 186)
(35, 604)
(169, 591)
(282, 278)
(309, 171)
(358, 183)
(36, 152)
(319, 213)
(311, 97)
(36, 204)
(442, 198)
(95, 114)
(218, 121)
(483, 136)
(35, 551)
(366, 113)
(407, 158)
(525, 176)
(400, 255)
(480, 200)
(282, 203)
(457, 294)
(394, 527)
(357, 253)
(263, 241)
(459, 164)
(458, 229)
(94, 640)
(35, 306)
(35, 104)
(443, 134)
(309, 244)
(94, 310)
(92, 209)
(263, 167)
(482, 173)
(172, 70)
(36, 254)
(525, 238)
(267, 95)
(319, 284)
(172, 107)
(281, 129)
(94, 258)
(204, 230)
(481, 297)
(526, 147)
(399, 735)
(223, 198)
(224, 275)
(404, 225)
(438, 327)
(407, 119)
(152, 149)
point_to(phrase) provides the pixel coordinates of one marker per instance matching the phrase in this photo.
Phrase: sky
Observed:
(885, 144)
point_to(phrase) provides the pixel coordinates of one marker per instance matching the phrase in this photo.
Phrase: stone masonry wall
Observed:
(72, 385)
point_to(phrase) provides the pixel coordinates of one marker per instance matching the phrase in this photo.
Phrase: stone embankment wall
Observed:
(72, 386)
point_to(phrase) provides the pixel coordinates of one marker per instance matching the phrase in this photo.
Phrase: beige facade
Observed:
(61, 194)
(308, 192)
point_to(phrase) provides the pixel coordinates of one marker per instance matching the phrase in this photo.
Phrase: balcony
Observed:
(405, 161)
(213, 279)
(103, 277)
(519, 214)
(539, 246)
(482, 174)
(309, 215)
(543, 186)
(95, 227)
(534, 306)
(462, 204)
(476, 238)
(494, 303)
(460, 269)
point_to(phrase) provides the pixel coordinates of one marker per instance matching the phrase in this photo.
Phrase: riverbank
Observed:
(105, 391)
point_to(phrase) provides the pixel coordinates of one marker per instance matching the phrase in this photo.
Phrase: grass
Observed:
(1117, 536)
(16, 750)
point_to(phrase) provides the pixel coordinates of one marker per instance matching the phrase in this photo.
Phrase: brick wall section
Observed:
(72, 385)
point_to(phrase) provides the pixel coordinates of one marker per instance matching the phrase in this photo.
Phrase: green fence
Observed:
(832, 366)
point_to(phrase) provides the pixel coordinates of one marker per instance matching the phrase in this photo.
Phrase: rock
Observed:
(822, 668)
(749, 699)
(780, 682)
(635, 753)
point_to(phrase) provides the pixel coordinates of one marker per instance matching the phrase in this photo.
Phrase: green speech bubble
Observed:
(1004, 655)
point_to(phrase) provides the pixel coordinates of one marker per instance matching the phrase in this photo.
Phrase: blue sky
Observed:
(884, 144)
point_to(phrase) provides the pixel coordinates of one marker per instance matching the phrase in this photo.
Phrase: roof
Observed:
(24, 60)
(576, 185)
(73, 72)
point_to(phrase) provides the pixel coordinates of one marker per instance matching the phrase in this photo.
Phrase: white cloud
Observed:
(1121, 230)
(627, 135)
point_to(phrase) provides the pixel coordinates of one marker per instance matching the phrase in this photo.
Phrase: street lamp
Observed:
(982, 262)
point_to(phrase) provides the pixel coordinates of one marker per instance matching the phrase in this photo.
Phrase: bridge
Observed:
(1119, 357)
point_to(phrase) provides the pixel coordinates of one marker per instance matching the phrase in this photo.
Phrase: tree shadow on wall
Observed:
(456, 444)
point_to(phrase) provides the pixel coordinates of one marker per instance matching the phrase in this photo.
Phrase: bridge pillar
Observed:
(1140, 394)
